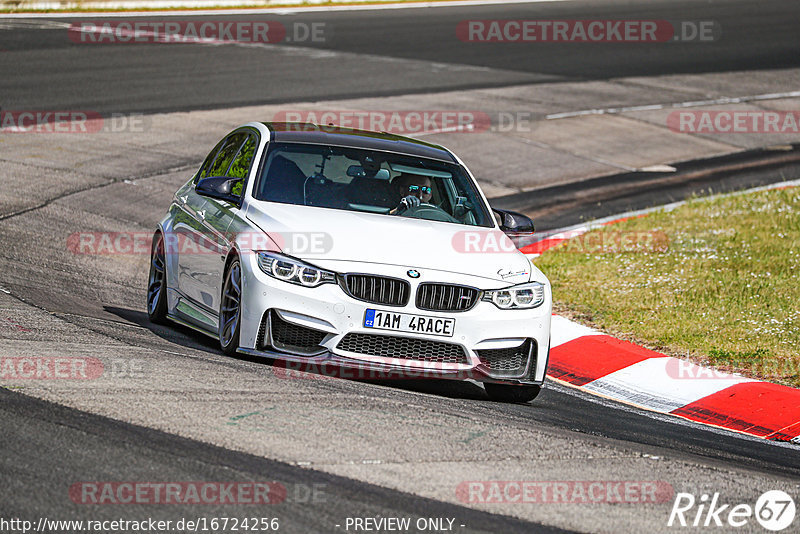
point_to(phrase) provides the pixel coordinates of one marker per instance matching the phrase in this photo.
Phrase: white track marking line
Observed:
(31, 24)
(676, 105)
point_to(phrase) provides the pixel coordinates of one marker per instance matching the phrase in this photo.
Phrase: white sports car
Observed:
(361, 250)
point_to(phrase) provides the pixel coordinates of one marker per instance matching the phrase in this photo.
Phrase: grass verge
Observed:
(717, 281)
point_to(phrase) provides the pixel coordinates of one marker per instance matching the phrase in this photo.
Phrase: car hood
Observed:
(318, 235)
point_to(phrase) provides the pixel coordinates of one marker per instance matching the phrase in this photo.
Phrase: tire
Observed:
(230, 309)
(508, 393)
(157, 282)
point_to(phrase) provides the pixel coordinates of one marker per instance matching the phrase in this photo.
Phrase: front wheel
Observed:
(230, 309)
(508, 393)
(157, 282)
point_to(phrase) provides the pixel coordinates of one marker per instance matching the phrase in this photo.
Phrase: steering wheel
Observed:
(430, 212)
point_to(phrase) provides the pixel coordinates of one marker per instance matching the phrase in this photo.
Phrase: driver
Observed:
(413, 190)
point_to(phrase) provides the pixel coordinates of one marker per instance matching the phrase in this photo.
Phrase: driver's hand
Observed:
(409, 202)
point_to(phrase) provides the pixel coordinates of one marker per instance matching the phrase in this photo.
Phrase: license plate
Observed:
(404, 322)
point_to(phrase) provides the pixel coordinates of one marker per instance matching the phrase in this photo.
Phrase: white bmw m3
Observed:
(361, 250)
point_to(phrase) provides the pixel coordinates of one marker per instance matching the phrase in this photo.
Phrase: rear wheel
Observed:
(508, 393)
(157, 282)
(230, 309)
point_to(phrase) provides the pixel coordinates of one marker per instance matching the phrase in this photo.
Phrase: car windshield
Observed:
(370, 181)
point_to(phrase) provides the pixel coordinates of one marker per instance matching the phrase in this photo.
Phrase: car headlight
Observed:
(521, 297)
(293, 271)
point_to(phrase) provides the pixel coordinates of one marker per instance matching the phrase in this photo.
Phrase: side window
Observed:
(241, 163)
(208, 161)
(226, 154)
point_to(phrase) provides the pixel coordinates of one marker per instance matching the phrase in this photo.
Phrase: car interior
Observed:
(351, 179)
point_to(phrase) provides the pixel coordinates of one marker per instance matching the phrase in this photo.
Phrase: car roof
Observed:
(298, 132)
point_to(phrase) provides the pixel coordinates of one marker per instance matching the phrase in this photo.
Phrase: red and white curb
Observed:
(602, 365)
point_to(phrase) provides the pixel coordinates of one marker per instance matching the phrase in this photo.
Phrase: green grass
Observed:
(716, 281)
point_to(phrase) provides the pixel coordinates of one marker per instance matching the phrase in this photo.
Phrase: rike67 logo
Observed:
(774, 510)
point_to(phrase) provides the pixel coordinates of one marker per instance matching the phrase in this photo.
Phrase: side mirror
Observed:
(218, 187)
(514, 223)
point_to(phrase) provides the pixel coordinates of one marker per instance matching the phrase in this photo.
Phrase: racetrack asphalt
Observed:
(376, 54)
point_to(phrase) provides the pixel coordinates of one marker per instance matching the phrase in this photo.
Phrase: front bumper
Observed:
(483, 335)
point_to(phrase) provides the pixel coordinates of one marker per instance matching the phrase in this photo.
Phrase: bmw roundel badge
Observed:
(413, 273)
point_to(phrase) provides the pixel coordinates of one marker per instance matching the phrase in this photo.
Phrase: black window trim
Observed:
(246, 139)
(227, 139)
(244, 129)
(216, 150)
